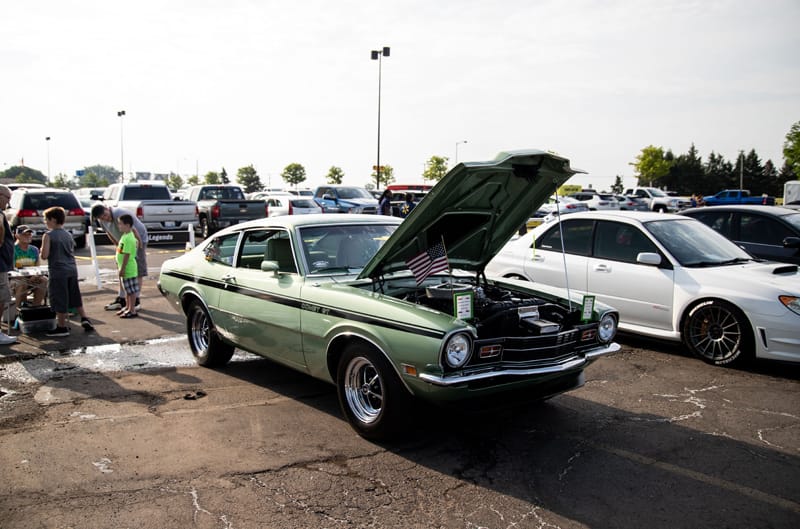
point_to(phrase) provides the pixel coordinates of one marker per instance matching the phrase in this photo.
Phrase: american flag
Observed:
(428, 262)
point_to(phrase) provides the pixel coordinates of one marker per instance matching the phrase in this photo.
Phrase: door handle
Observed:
(229, 278)
(602, 267)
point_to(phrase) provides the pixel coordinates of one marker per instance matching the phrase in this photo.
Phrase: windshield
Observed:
(695, 244)
(657, 192)
(793, 219)
(342, 249)
(353, 192)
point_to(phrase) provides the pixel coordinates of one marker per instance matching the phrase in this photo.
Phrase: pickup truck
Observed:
(153, 205)
(728, 197)
(345, 199)
(658, 200)
(223, 205)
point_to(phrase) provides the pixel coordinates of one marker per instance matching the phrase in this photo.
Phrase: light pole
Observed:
(121, 148)
(741, 169)
(377, 55)
(47, 139)
(462, 141)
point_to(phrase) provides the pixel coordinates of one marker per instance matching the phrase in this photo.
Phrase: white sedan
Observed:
(289, 204)
(669, 279)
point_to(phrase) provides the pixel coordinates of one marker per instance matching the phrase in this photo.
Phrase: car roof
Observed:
(776, 211)
(621, 215)
(297, 221)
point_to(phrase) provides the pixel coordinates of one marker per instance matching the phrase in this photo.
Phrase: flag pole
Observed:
(449, 268)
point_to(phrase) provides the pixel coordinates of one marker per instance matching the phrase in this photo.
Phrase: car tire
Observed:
(205, 229)
(80, 242)
(207, 346)
(371, 395)
(718, 332)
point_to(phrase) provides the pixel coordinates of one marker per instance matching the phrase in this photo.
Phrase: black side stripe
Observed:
(302, 305)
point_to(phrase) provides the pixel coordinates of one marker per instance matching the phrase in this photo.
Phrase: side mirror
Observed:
(648, 258)
(791, 242)
(270, 266)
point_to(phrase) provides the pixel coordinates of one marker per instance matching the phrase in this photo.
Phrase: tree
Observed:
(617, 188)
(174, 181)
(335, 175)
(247, 177)
(61, 181)
(92, 180)
(293, 174)
(386, 177)
(212, 177)
(685, 173)
(101, 172)
(651, 166)
(22, 174)
(193, 180)
(435, 168)
(791, 149)
(224, 176)
(717, 175)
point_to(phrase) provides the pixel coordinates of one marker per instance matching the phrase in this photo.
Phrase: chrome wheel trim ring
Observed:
(363, 390)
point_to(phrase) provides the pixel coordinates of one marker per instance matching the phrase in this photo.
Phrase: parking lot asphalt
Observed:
(156, 319)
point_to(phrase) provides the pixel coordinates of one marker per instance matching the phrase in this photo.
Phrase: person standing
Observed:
(385, 204)
(408, 205)
(58, 249)
(107, 217)
(126, 262)
(6, 260)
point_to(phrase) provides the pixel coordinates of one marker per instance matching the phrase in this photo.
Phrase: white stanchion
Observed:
(93, 250)
(190, 243)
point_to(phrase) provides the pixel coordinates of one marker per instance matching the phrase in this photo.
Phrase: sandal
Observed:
(130, 315)
(122, 311)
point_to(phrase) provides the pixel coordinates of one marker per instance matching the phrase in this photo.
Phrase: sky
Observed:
(207, 84)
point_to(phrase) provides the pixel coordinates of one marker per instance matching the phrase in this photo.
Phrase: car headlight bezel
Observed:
(607, 328)
(457, 350)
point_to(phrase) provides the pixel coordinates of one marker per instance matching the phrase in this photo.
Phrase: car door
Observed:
(260, 309)
(763, 235)
(546, 263)
(643, 293)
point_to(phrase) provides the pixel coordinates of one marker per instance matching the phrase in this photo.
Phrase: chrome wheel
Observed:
(717, 332)
(371, 395)
(363, 390)
(208, 348)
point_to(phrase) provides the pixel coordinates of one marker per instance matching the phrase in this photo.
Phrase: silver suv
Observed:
(27, 206)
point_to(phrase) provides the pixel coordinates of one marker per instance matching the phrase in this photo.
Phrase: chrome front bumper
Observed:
(567, 365)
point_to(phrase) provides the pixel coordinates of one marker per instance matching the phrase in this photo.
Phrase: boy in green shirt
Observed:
(128, 270)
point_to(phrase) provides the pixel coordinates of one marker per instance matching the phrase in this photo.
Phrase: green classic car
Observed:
(394, 312)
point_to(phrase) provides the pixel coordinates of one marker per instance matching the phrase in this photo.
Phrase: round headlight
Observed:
(607, 328)
(456, 352)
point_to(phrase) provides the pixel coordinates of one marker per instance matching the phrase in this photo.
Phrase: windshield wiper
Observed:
(331, 269)
(706, 264)
(736, 260)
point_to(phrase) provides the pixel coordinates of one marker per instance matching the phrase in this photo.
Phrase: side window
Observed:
(577, 237)
(620, 242)
(718, 221)
(254, 248)
(222, 249)
(279, 248)
(762, 230)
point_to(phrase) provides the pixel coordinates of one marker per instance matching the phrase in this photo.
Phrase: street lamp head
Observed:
(376, 54)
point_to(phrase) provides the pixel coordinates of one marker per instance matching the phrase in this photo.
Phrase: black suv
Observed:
(27, 206)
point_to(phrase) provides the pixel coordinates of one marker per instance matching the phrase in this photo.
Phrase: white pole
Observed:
(190, 244)
(93, 250)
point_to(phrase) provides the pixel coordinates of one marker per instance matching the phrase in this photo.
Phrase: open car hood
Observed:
(475, 209)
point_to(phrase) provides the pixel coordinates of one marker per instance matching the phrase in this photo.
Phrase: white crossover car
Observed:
(669, 279)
